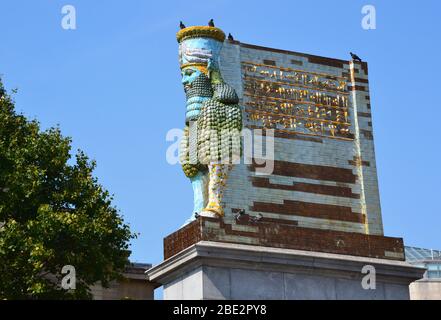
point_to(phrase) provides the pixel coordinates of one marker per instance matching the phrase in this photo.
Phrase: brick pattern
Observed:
(361, 80)
(287, 135)
(357, 161)
(365, 159)
(357, 88)
(308, 57)
(288, 236)
(364, 114)
(181, 239)
(246, 219)
(367, 134)
(296, 62)
(317, 172)
(307, 209)
(269, 62)
(327, 61)
(337, 191)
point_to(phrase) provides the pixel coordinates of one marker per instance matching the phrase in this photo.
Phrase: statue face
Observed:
(189, 74)
(196, 83)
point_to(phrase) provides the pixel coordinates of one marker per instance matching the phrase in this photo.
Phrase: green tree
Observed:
(53, 213)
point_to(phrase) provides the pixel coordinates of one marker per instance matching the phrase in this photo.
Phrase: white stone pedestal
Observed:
(216, 270)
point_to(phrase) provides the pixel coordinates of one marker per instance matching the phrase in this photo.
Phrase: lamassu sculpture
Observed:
(211, 143)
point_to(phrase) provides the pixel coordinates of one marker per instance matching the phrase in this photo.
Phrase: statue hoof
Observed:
(211, 214)
(213, 210)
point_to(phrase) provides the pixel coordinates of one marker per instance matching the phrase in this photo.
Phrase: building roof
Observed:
(137, 268)
(414, 254)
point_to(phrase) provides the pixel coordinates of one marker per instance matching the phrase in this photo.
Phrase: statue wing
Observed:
(224, 93)
(219, 131)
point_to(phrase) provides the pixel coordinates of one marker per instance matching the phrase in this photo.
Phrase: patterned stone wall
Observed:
(324, 172)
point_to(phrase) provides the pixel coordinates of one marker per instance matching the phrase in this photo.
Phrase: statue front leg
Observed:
(200, 190)
(199, 182)
(218, 177)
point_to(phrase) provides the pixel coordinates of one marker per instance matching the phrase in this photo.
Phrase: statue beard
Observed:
(199, 87)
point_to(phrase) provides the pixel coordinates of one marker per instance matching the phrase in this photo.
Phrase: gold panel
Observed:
(296, 100)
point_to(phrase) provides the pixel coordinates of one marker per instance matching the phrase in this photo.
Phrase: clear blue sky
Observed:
(113, 85)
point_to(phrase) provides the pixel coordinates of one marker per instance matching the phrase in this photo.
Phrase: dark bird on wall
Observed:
(181, 25)
(211, 23)
(355, 57)
(257, 218)
(240, 214)
(230, 37)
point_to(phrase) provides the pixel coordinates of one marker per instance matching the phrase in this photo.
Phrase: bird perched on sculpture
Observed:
(230, 37)
(181, 25)
(211, 23)
(355, 57)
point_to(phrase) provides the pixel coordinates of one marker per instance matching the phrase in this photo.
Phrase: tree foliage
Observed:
(53, 212)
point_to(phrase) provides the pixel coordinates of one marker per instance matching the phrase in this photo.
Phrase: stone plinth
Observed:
(133, 285)
(426, 289)
(215, 270)
(268, 233)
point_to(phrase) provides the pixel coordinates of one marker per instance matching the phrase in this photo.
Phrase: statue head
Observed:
(199, 50)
